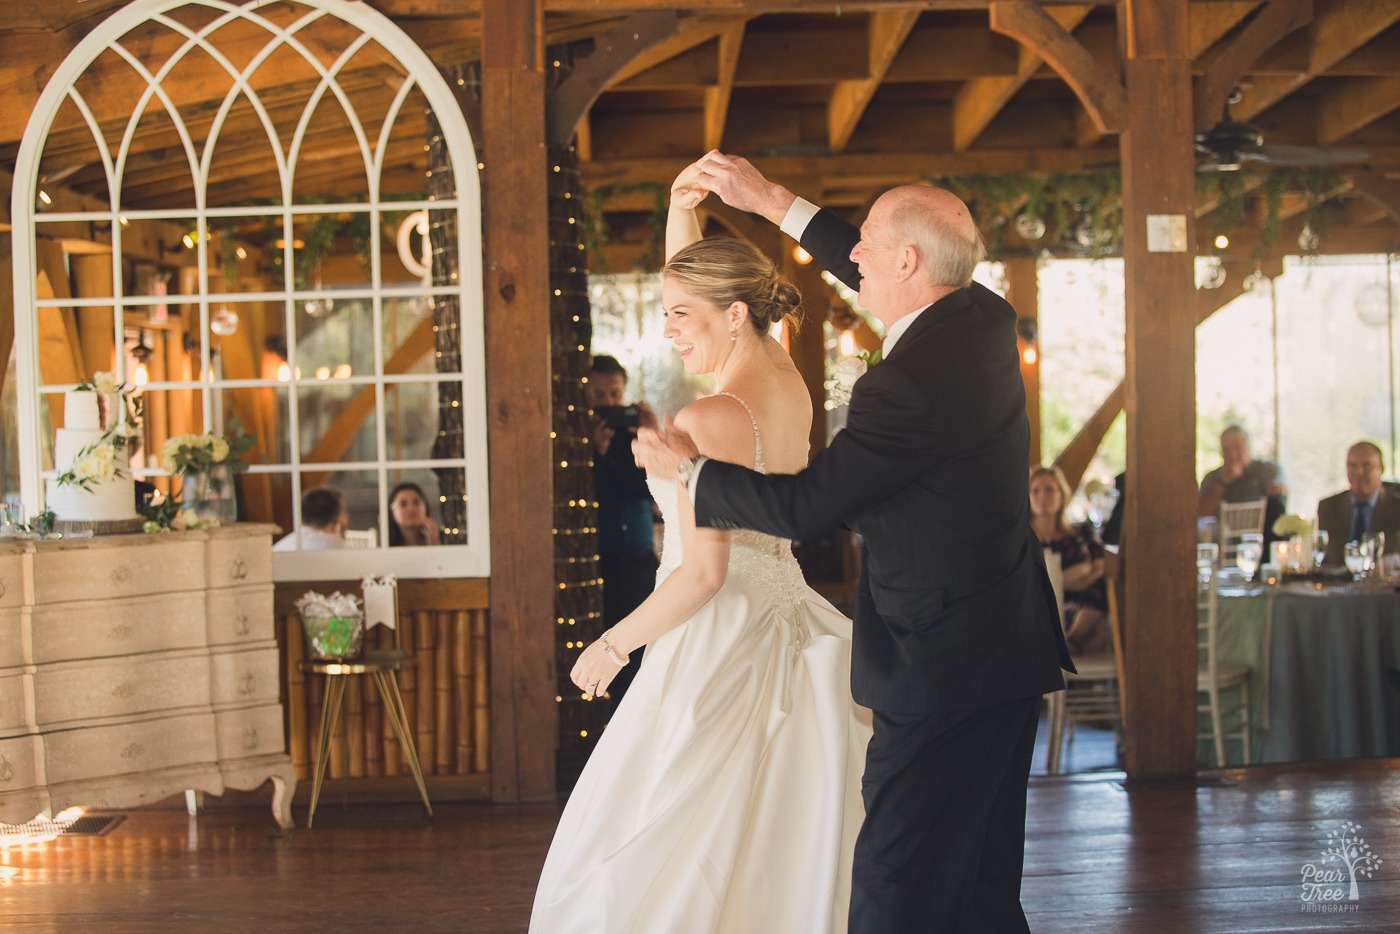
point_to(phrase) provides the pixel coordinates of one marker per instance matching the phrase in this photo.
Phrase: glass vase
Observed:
(209, 497)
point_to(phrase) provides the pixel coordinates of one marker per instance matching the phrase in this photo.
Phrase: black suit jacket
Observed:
(1334, 516)
(955, 610)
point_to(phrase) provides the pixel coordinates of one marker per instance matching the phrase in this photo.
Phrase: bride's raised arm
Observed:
(682, 223)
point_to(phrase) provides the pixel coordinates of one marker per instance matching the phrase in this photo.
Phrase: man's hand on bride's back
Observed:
(659, 450)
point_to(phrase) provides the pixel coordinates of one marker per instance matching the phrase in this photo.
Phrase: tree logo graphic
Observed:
(1331, 886)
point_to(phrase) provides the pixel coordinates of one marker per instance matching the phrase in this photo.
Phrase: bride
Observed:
(724, 796)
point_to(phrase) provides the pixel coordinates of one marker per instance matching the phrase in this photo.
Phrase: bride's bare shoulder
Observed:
(720, 427)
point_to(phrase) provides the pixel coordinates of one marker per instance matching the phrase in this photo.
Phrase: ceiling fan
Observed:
(1231, 144)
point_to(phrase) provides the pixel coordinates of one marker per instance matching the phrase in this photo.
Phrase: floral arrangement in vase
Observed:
(208, 463)
(102, 459)
(334, 625)
(1290, 526)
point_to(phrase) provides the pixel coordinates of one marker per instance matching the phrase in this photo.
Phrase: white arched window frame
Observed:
(465, 560)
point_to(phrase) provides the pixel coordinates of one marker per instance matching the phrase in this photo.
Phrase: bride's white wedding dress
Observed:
(724, 796)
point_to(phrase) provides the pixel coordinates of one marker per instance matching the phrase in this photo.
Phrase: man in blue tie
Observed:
(1364, 509)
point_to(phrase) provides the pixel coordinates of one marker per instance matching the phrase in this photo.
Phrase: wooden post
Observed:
(1023, 292)
(1159, 512)
(524, 721)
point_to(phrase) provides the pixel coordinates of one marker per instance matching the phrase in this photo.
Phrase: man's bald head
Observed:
(940, 227)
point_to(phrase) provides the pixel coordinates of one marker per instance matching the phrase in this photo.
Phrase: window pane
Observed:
(337, 422)
(423, 421)
(445, 493)
(333, 342)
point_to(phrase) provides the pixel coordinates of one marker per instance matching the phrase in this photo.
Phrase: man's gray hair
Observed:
(944, 250)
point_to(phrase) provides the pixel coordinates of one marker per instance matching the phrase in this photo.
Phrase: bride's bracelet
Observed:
(618, 660)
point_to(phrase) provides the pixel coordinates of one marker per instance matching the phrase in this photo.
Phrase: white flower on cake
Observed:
(105, 383)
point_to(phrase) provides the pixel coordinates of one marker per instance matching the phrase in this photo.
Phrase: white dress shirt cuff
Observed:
(797, 218)
(700, 463)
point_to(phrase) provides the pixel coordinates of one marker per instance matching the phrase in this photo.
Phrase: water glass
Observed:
(1206, 554)
(1319, 547)
(1247, 555)
(1356, 559)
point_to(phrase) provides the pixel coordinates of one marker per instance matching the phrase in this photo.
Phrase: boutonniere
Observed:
(844, 375)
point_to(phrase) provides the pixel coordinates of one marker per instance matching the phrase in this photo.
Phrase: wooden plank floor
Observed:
(1223, 856)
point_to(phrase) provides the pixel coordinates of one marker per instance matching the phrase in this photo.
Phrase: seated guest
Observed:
(1364, 509)
(409, 522)
(1239, 479)
(324, 520)
(1081, 559)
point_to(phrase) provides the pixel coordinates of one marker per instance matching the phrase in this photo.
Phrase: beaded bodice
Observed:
(765, 560)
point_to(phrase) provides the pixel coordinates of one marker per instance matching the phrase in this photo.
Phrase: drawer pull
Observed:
(240, 625)
(250, 738)
(120, 574)
(120, 633)
(240, 569)
(133, 751)
(245, 684)
(7, 771)
(124, 690)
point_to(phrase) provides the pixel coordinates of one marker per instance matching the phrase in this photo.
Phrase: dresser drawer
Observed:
(90, 690)
(17, 771)
(12, 648)
(69, 631)
(236, 562)
(137, 746)
(16, 708)
(149, 564)
(246, 677)
(11, 579)
(256, 731)
(241, 614)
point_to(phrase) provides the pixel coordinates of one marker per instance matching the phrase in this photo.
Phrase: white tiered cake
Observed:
(110, 494)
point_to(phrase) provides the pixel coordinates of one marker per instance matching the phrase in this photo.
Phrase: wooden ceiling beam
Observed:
(1098, 90)
(886, 32)
(875, 168)
(1277, 19)
(431, 8)
(1379, 190)
(953, 53)
(1208, 23)
(1338, 29)
(1355, 103)
(979, 100)
(690, 32)
(573, 98)
(716, 107)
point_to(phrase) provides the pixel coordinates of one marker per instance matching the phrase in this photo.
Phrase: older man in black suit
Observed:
(956, 631)
(1365, 508)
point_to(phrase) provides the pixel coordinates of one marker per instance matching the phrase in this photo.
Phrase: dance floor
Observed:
(1226, 854)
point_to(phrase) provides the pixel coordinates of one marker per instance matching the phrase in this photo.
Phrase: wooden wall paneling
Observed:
(464, 690)
(481, 661)
(1159, 512)
(92, 278)
(443, 732)
(524, 727)
(426, 671)
(293, 651)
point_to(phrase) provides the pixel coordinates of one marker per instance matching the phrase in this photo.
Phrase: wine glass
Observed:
(1206, 553)
(1247, 555)
(1356, 559)
(1319, 547)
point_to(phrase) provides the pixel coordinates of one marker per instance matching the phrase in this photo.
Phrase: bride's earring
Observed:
(734, 333)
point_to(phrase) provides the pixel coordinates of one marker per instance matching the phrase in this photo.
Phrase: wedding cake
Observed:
(94, 482)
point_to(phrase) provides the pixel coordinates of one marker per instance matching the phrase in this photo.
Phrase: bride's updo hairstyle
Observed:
(723, 270)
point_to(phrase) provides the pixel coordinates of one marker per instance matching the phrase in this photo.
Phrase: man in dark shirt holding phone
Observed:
(626, 556)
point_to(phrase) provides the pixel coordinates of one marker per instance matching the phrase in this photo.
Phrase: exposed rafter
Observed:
(716, 108)
(1277, 19)
(886, 35)
(979, 100)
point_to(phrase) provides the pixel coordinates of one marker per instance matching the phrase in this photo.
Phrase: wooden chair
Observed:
(1214, 677)
(1235, 520)
(1095, 692)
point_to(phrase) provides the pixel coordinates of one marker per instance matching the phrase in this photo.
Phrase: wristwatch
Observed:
(686, 469)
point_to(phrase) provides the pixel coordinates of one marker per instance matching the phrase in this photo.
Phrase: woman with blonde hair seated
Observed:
(1081, 558)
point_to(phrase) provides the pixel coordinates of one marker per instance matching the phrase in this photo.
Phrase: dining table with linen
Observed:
(1324, 654)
